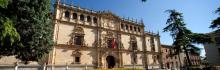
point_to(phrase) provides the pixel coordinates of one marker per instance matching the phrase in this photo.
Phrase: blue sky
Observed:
(198, 14)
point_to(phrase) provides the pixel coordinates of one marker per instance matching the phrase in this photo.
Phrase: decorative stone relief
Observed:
(132, 41)
(77, 31)
(76, 53)
(106, 37)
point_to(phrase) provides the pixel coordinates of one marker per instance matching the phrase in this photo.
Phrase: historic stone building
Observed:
(194, 58)
(170, 61)
(177, 61)
(101, 39)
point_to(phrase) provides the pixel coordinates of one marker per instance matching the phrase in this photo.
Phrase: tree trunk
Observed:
(187, 57)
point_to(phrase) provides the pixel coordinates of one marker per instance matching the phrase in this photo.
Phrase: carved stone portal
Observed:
(109, 59)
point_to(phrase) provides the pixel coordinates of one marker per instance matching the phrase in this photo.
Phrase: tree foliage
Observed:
(34, 26)
(8, 33)
(26, 29)
(183, 37)
(193, 49)
(216, 23)
(4, 3)
(200, 38)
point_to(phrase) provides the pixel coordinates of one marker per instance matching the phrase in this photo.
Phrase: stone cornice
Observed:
(95, 27)
(72, 47)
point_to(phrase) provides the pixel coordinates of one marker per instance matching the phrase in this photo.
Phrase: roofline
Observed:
(168, 46)
(102, 12)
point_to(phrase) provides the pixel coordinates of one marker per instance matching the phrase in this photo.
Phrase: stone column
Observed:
(159, 50)
(117, 27)
(144, 46)
(99, 41)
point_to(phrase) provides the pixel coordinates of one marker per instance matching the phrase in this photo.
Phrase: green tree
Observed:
(178, 31)
(35, 28)
(8, 34)
(183, 37)
(216, 23)
(25, 29)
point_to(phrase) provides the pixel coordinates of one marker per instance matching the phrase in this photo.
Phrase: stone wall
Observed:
(65, 56)
(8, 60)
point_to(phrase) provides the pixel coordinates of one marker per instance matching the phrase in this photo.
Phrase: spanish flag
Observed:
(114, 43)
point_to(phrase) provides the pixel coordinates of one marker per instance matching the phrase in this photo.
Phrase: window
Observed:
(168, 65)
(122, 26)
(152, 44)
(134, 46)
(74, 16)
(109, 43)
(177, 65)
(77, 59)
(78, 40)
(172, 64)
(154, 59)
(153, 48)
(95, 20)
(126, 27)
(88, 19)
(135, 29)
(77, 36)
(67, 14)
(139, 30)
(133, 43)
(131, 28)
(82, 17)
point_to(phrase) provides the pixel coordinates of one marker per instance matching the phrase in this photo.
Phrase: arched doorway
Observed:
(110, 61)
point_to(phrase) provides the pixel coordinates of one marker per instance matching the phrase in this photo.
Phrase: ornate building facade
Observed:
(101, 39)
